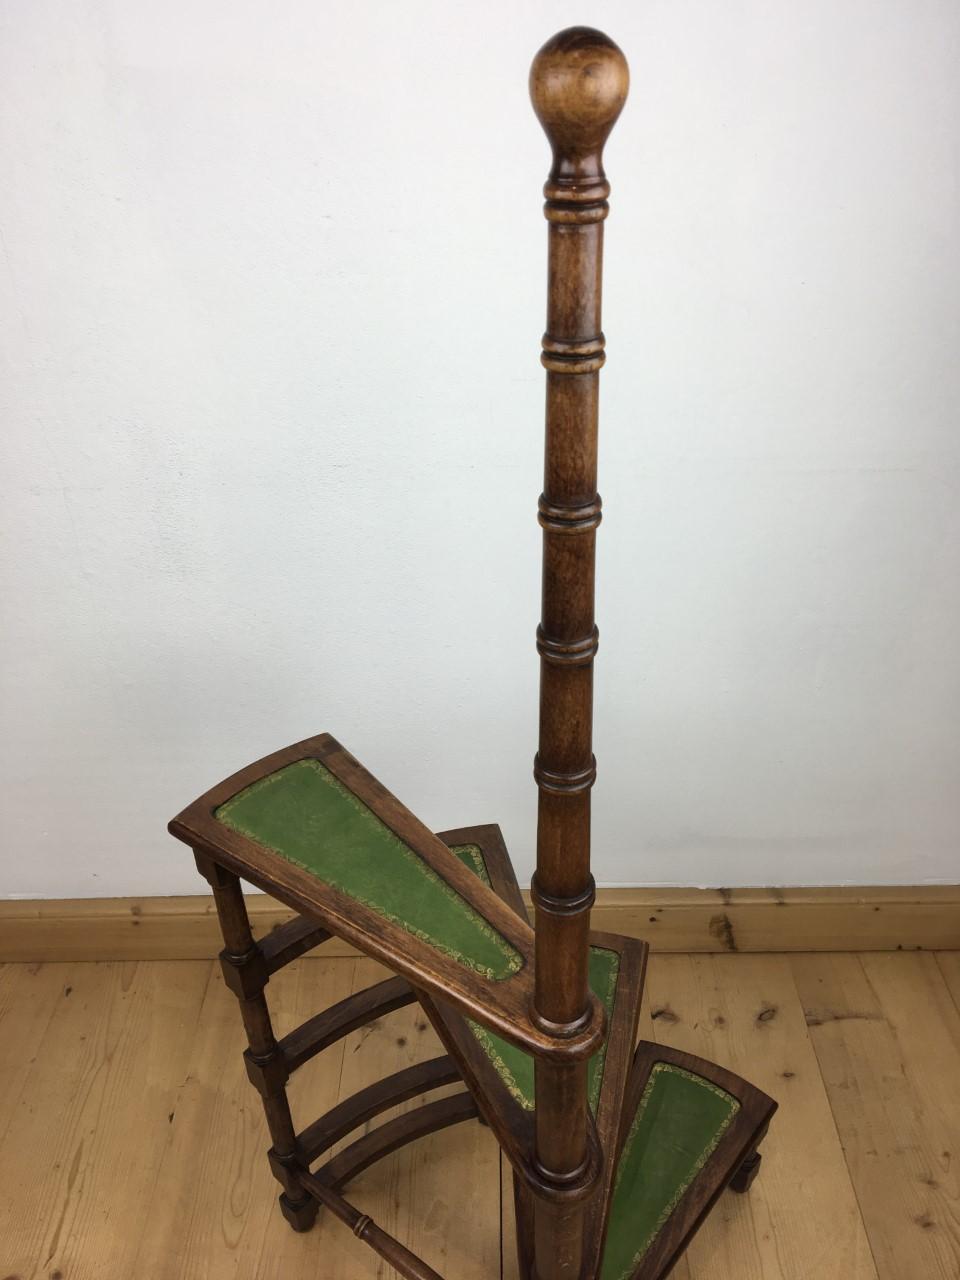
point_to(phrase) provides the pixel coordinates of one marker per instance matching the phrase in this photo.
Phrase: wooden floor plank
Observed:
(454, 1184)
(887, 1034)
(949, 964)
(801, 1217)
(132, 1144)
(81, 1152)
(29, 996)
(216, 1215)
(419, 1193)
(509, 1270)
(295, 995)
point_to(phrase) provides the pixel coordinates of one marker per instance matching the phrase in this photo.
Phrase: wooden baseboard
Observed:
(678, 920)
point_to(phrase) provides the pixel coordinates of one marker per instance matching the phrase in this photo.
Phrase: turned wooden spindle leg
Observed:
(742, 1180)
(246, 975)
(578, 85)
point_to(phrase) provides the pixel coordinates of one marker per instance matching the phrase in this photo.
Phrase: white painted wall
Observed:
(263, 477)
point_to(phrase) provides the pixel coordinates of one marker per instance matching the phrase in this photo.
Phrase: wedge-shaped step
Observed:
(516, 1068)
(689, 1127)
(489, 860)
(501, 1076)
(311, 826)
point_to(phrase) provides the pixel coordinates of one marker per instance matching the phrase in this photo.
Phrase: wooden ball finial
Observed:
(578, 85)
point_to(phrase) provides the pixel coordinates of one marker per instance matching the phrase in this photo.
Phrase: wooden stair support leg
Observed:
(578, 85)
(249, 976)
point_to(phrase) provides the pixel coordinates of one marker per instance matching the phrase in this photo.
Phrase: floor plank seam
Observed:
(954, 994)
(836, 1124)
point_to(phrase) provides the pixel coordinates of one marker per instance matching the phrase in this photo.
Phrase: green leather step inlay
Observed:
(679, 1121)
(515, 1068)
(308, 816)
(471, 855)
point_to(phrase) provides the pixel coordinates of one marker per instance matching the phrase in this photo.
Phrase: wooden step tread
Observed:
(516, 1068)
(500, 1076)
(489, 860)
(313, 828)
(688, 1127)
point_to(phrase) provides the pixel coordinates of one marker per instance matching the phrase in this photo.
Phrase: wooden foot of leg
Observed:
(742, 1180)
(301, 1216)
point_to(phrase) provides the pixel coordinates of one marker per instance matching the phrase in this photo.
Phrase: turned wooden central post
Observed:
(578, 85)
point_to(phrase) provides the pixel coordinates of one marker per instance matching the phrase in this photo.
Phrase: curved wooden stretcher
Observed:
(619, 1151)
